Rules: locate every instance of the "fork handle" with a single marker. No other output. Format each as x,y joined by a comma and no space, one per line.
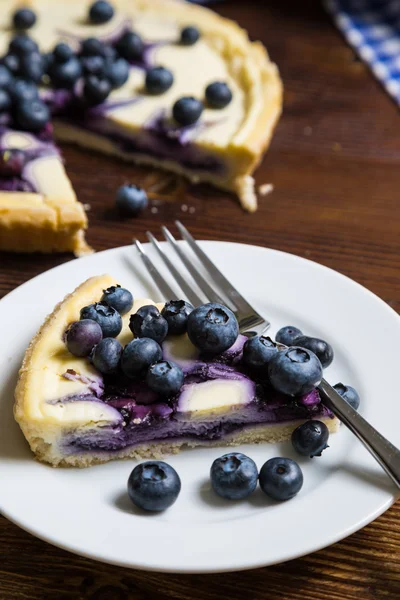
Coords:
387,455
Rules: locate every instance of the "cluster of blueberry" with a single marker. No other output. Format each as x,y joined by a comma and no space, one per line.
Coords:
212,328
101,67
155,485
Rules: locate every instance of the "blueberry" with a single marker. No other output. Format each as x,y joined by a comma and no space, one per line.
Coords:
64,75
322,349
131,199
258,351
234,476
92,47
12,161
11,61
138,355
106,356
31,67
6,78
110,53
310,438
22,44
288,335
189,36
281,478
101,12
5,101
96,89
212,328
107,317
82,336
22,90
93,65
117,72
119,298
24,18
218,95
187,111
176,313
154,485
32,115
48,61
158,80
148,322
295,371
349,394
62,52
165,378
130,46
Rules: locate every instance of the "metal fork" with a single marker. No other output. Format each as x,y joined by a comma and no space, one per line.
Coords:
251,323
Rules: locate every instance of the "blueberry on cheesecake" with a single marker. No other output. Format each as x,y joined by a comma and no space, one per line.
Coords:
110,376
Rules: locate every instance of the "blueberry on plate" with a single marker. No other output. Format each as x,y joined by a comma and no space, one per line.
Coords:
176,313
117,72
158,80
130,46
12,160
96,89
310,438
31,67
212,328
349,394
234,476
92,47
32,115
119,298
22,90
131,199
5,101
139,355
11,62
24,18
189,35
62,52
287,335
107,317
165,378
154,485
22,44
148,322
101,12
281,478
258,351
187,111
322,349
106,356
64,75
6,78
93,65
218,95
295,371
82,336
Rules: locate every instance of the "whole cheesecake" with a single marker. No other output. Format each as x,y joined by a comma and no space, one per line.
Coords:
72,415
138,121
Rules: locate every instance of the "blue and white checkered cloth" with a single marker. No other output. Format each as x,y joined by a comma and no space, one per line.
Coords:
372,28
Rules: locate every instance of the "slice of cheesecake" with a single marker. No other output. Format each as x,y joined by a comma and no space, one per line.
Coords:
72,415
39,211
224,146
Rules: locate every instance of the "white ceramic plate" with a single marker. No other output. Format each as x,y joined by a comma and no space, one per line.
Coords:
87,511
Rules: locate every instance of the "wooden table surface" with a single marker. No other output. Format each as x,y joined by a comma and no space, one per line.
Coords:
334,164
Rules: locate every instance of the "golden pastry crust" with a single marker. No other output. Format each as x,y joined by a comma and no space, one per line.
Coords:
35,223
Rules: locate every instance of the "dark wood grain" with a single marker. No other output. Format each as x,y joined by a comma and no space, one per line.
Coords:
334,164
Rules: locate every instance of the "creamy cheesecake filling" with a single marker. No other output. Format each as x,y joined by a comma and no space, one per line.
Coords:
217,400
